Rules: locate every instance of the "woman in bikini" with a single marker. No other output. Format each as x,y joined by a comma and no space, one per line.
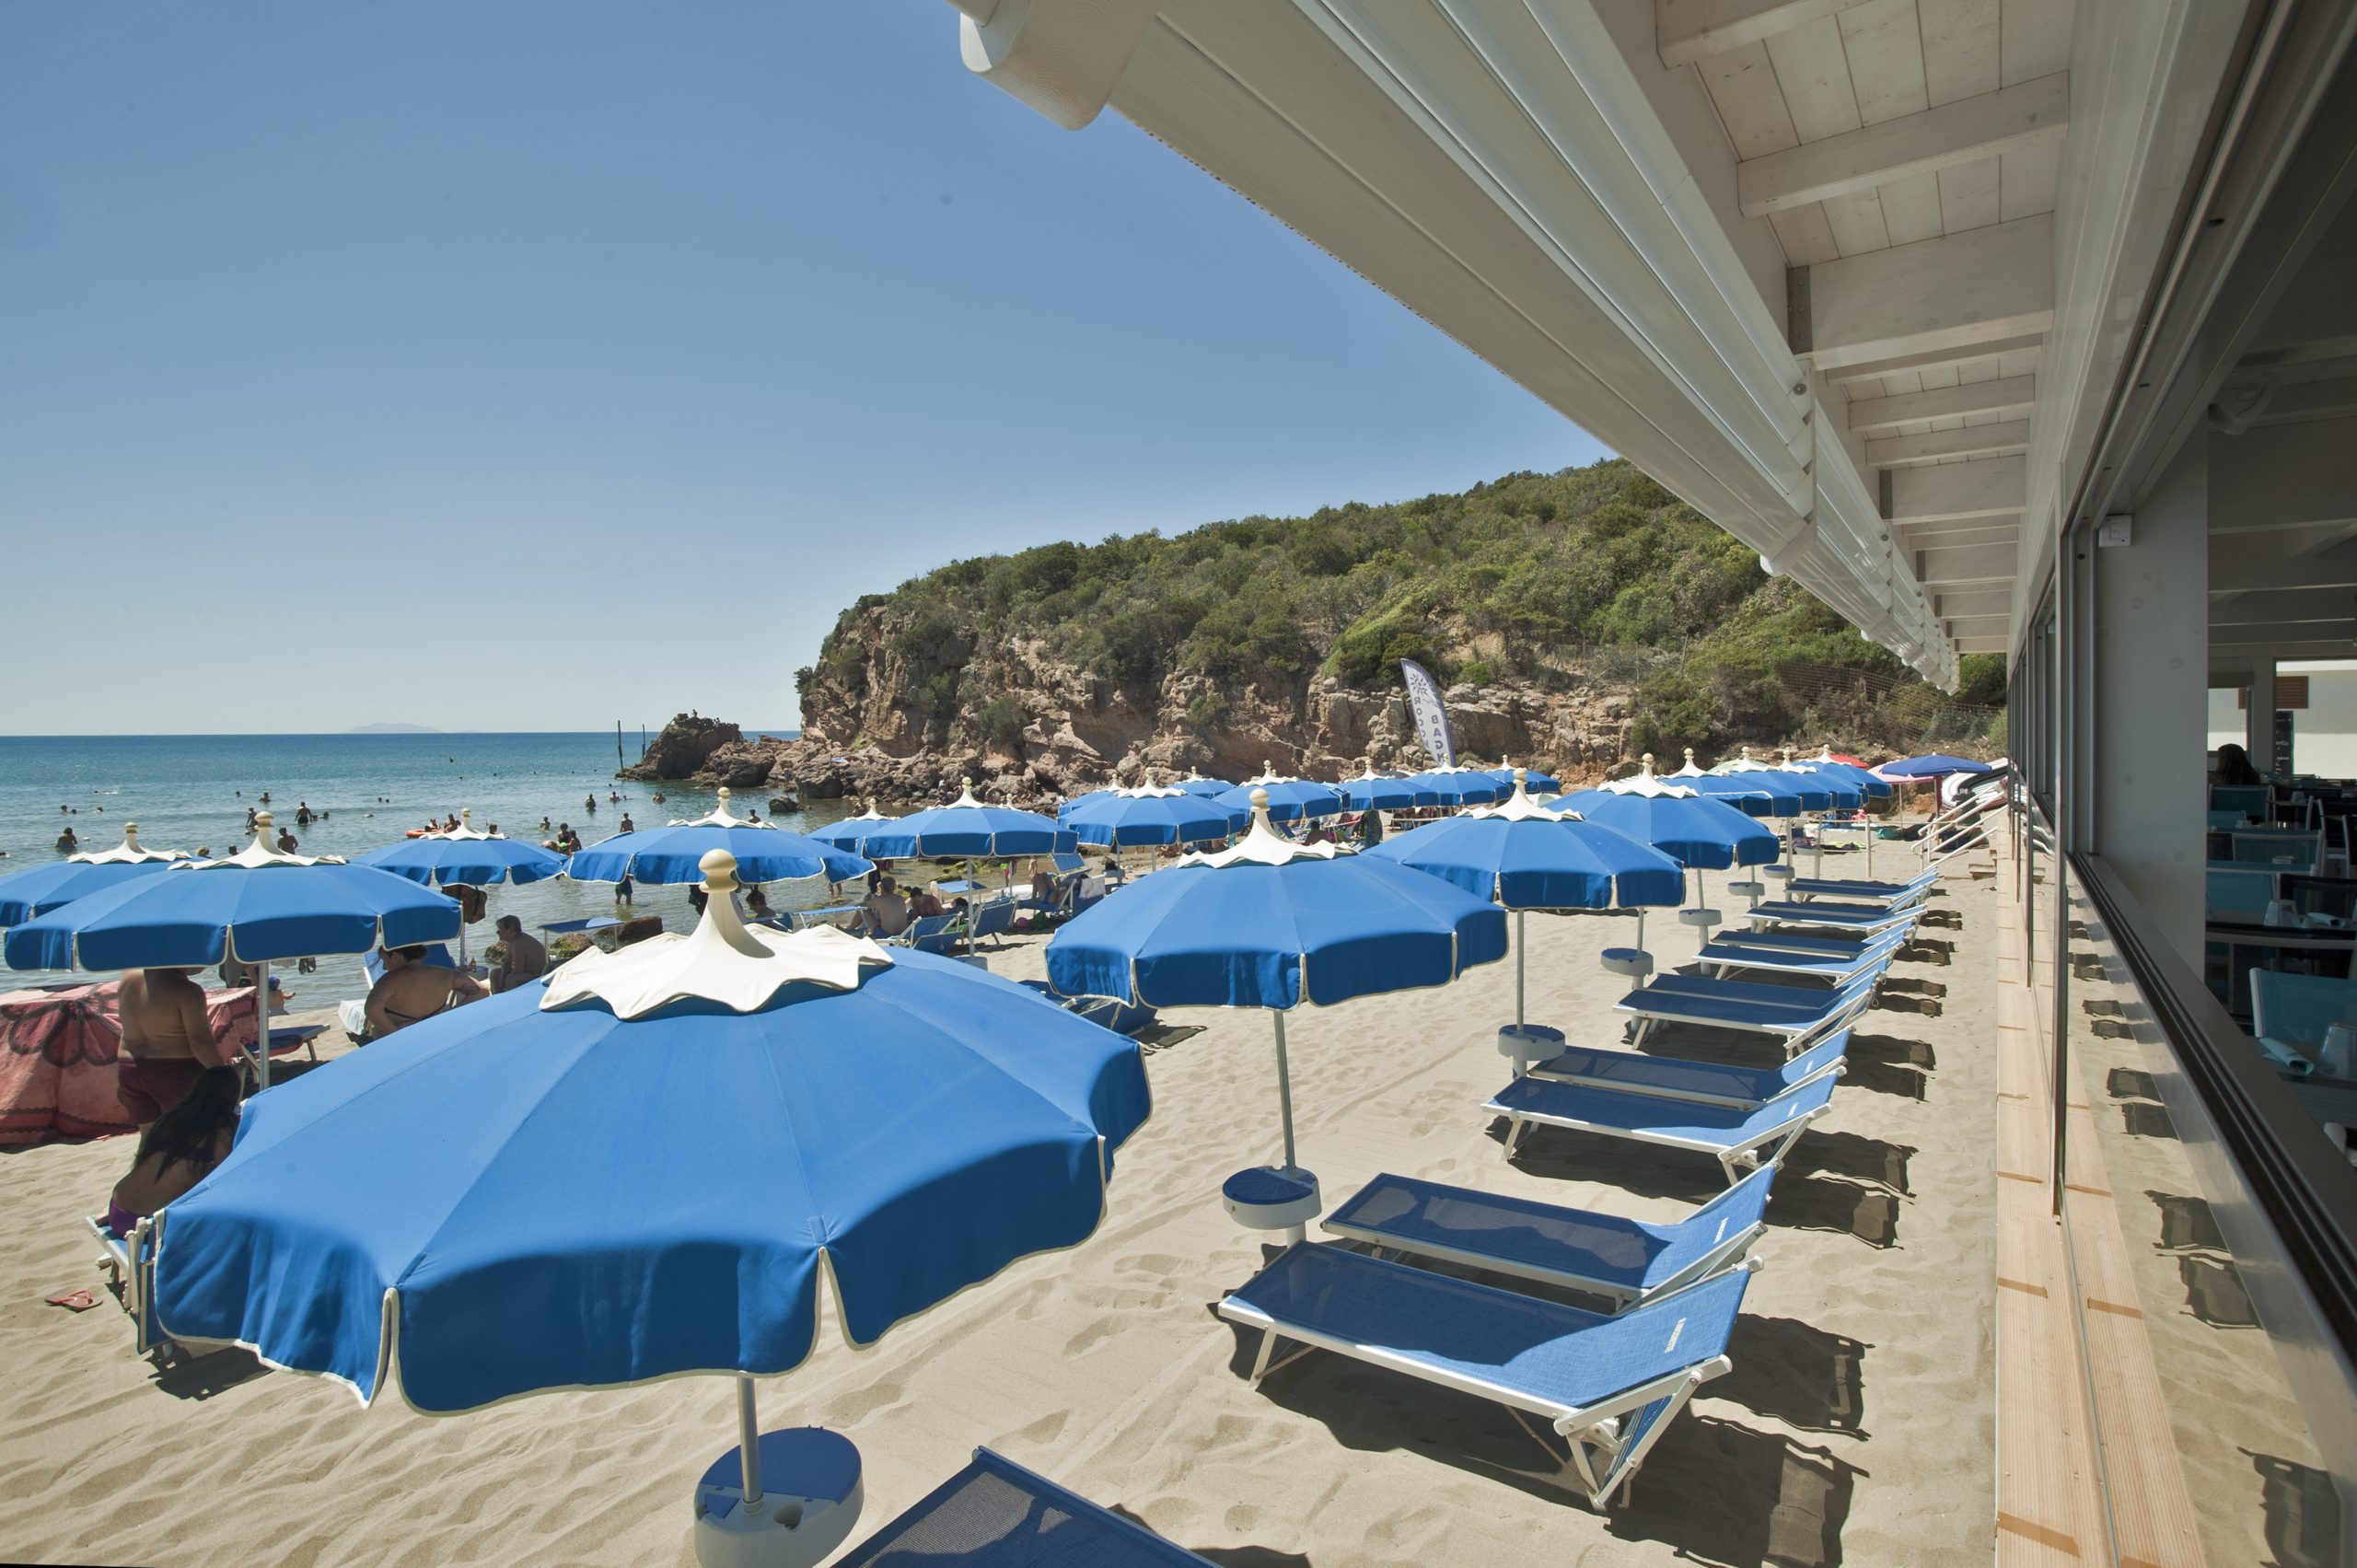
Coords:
180,1149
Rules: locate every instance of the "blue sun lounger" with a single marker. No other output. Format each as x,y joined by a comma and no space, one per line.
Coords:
1811,944
1857,889
1821,915
1606,1386
995,1513
1710,1083
1627,1260
1733,956
1800,1015
1736,1138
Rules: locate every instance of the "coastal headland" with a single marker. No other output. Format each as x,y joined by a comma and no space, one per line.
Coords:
1575,619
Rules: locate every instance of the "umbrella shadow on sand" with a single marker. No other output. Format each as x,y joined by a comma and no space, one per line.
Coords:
202,1375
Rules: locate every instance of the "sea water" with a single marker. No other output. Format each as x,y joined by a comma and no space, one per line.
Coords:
191,791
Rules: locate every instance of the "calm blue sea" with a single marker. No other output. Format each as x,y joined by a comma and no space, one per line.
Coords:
189,792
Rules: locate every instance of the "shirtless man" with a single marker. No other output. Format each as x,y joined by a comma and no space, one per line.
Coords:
167,1042
527,959
412,990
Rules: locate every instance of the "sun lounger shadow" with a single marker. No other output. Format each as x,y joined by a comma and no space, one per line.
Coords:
2144,1120
1799,1374
1718,1492
1903,1079
1944,920
202,1375
1844,1208
1893,1050
1904,986
1901,1002
2131,1083
2301,1511
2214,1293
2186,1224
1229,1556
1854,1156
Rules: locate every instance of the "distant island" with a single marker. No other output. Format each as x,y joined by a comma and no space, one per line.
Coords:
392,730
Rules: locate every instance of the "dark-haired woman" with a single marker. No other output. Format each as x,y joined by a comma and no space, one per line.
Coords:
179,1149
2233,767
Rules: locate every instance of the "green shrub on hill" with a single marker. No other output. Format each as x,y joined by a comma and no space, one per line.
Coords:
1551,578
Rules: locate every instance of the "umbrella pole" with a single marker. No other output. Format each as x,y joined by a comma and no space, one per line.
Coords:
1518,916
749,1439
262,1020
1284,1088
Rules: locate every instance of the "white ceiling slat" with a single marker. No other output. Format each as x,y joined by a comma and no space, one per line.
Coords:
1969,196
1990,399
1969,131
1938,378
1815,78
1960,48
1806,236
1987,285
1911,208
1965,441
2017,362
1751,106
2029,180
1688,31
2023,351
1885,53
1857,223
2034,39
1985,487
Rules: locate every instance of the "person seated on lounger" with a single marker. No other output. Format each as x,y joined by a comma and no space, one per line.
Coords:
412,989
180,1150
167,1042
757,903
524,958
924,903
885,913
1043,884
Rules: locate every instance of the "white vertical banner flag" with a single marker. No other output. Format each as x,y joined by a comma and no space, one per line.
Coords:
1432,720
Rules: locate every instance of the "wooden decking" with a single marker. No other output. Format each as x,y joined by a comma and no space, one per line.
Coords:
2087,1468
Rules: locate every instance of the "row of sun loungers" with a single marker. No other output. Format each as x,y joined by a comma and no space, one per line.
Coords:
1603,1381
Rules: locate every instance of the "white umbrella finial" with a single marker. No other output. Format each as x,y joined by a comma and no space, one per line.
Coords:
1648,760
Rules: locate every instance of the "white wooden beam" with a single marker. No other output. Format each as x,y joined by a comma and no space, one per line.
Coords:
1973,563
1985,601
1972,441
1995,282
1986,487
1963,132
1969,530
1934,359
1981,646
1687,30
1996,621
2011,396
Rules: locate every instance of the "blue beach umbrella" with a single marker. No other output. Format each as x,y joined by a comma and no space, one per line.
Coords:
1371,791
674,853
1533,780
1697,830
850,835
1461,786
40,889
1116,818
454,1208
1750,791
1866,783
1524,856
1271,923
1932,765
258,906
1288,799
969,827
465,857
1195,784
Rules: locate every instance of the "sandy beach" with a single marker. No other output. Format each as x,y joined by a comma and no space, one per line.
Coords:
1856,1426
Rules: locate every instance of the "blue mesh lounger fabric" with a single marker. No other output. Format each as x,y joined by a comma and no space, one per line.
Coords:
1639,1073
1622,1257
995,1513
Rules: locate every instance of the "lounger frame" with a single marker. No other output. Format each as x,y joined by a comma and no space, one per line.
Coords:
1735,1160
1598,1459
1549,1071
1727,1254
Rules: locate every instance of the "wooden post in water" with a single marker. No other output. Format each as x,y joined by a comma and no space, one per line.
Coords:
618,763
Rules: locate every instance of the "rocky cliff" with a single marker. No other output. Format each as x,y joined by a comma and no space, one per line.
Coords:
1576,618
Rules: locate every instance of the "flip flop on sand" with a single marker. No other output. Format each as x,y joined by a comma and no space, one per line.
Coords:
74,1300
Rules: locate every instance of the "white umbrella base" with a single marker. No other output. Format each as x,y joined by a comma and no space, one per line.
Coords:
783,1529
1271,1198
1526,1043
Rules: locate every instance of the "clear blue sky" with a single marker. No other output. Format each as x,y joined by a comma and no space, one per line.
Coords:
537,365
